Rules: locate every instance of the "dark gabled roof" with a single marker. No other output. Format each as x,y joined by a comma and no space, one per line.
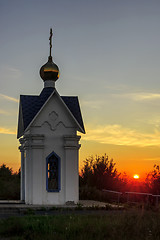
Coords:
73,105
30,106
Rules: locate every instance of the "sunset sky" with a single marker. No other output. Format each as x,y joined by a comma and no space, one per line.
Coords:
108,53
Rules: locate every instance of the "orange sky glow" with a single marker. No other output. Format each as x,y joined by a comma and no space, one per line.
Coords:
108,55
127,159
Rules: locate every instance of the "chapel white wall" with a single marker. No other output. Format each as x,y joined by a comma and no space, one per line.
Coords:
52,130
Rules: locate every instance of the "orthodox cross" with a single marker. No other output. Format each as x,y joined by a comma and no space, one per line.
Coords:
50,39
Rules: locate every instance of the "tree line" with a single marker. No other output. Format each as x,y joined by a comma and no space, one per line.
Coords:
9,183
100,173
97,173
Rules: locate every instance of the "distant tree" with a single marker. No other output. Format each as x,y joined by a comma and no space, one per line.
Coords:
5,172
100,172
153,180
9,183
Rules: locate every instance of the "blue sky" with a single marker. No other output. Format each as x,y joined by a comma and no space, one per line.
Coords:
108,54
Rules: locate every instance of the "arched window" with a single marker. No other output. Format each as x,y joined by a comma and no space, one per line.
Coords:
53,173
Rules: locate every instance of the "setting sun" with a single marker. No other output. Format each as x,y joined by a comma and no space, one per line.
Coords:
136,176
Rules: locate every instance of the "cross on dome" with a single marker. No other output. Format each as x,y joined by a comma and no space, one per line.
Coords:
50,40
49,72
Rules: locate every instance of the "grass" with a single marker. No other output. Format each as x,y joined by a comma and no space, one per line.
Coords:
127,225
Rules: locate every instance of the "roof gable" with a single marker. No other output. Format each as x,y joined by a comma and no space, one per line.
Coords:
31,105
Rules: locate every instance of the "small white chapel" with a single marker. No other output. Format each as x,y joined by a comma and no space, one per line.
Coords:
49,144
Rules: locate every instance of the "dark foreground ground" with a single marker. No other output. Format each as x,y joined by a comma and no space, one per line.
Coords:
18,208
83,225
93,220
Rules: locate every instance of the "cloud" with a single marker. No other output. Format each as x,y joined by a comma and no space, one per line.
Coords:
6,131
9,72
118,135
154,159
117,87
2,112
94,104
138,96
8,98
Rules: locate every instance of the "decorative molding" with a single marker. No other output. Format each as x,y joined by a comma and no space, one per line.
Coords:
72,137
53,121
71,142
21,140
72,147
36,146
35,141
21,148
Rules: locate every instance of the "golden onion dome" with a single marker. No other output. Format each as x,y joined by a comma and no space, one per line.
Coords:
49,71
